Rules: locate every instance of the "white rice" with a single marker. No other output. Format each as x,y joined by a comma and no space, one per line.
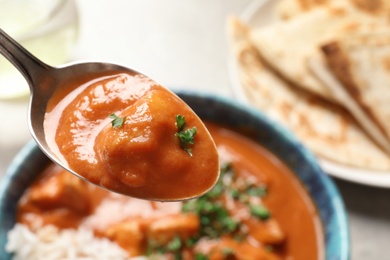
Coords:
50,243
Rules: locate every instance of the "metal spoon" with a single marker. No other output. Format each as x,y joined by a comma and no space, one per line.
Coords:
44,80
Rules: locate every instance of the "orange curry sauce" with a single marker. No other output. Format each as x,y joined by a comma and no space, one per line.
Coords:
291,230
142,157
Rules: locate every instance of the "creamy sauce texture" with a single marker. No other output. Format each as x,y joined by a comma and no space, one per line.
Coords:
142,157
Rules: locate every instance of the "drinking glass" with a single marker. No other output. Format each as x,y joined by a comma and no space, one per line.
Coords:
47,28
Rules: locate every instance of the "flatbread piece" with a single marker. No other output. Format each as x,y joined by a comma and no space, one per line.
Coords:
328,130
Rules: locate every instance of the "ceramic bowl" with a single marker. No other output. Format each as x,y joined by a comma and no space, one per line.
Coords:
30,161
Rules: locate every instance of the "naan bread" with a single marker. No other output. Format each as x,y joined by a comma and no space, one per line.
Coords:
362,64
328,130
286,45
288,9
320,69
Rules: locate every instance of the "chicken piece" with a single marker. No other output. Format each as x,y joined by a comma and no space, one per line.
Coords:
163,230
61,190
266,232
129,235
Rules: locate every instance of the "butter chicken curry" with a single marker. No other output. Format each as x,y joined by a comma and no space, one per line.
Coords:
256,210
130,135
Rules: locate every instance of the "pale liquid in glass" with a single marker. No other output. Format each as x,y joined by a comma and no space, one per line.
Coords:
47,28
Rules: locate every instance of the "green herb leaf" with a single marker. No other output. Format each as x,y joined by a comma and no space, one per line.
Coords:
257,191
200,256
216,191
117,121
260,211
230,224
235,194
213,214
243,197
180,123
174,245
227,251
186,138
151,246
191,242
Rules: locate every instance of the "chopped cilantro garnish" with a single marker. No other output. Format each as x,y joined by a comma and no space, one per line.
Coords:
215,218
186,137
260,211
200,256
230,224
235,193
257,191
117,121
216,191
227,251
190,242
174,245
180,123
151,246
243,198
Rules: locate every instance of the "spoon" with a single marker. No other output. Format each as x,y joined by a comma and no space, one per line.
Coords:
44,80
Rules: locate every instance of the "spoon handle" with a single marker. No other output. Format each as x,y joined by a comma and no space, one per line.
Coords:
32,68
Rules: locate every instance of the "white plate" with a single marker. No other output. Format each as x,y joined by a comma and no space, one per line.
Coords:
262,12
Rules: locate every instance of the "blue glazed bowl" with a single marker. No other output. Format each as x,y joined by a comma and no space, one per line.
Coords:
31,161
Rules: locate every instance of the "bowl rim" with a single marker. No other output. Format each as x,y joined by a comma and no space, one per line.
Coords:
337,248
